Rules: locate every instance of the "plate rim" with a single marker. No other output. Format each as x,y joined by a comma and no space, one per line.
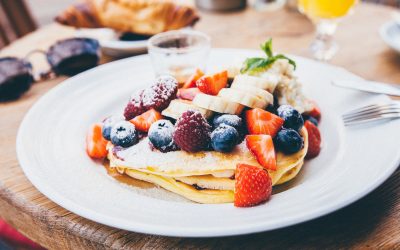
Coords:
383,31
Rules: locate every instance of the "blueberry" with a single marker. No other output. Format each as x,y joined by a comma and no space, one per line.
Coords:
161,135
292,118
108,124
124,134
288,141
224,138
311,119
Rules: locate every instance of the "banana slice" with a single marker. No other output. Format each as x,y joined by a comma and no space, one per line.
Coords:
242,97
260,93
217,104
266,82
177,107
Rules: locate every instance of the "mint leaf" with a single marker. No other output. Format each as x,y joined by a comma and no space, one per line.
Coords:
280,56
267,47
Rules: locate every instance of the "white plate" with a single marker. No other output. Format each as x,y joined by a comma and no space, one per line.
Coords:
390,33
51,151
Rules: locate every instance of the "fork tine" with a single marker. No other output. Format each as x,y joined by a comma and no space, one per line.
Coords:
377,118
372,115
370,108
373,111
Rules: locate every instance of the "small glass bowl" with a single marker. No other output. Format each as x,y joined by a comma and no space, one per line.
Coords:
179,53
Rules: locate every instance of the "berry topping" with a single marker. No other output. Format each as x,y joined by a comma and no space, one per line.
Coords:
263,122
158,96
315,111
311,119
292,118
288,141
143,122
188,94
212,84
231,120
191,81
192,132
161,136
224,138
262,147
253,186
124,134
108,124
96,145
314,140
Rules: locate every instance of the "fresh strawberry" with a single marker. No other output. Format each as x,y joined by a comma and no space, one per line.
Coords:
188,94
263,122
143,122
315,112
95,142
191,81
314,140
263,149
212,84
253,185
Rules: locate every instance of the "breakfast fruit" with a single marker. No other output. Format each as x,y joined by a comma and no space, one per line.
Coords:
158,96
289,141
143,122
107,125
212,84
314,140
231,120
242,97
292,118
124,134
188,94
311,119
253,186
259,121
192,132
161,136
96,145
177,107
191,81
263,149
315,111
224,138
217,104
260,93
268,82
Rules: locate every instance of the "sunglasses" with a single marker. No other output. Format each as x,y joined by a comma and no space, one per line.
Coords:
65,57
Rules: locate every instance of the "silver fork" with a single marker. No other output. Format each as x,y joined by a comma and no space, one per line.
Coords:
370,113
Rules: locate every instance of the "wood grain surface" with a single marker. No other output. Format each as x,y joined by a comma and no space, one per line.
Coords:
372,222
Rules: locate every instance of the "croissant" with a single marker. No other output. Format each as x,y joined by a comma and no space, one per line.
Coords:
147,17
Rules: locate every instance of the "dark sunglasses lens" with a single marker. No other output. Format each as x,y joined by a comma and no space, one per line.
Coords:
15,78
72,56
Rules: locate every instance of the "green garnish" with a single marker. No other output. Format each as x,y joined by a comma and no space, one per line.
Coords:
257,64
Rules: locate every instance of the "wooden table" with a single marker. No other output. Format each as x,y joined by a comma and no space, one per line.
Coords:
374,221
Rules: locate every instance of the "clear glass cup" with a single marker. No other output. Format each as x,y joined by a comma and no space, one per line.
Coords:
325,14
179,53
269,5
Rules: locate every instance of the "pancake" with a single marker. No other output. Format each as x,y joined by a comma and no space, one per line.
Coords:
205,177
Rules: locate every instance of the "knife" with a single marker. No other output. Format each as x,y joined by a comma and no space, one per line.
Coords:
369,86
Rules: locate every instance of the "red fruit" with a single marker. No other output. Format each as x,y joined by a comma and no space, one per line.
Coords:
314,140
263,149
315,112
143,122
263,122
158,97
192,132
188,94
212,84
191,81
95,142
252,186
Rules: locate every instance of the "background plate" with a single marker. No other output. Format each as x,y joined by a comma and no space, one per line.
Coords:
51,151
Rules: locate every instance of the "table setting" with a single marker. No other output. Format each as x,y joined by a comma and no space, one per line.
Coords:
203,124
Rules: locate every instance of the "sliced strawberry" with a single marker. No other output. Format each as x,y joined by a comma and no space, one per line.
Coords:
95,142
188,94
191,81
143,122
314,140
253,186
263,122
315,112
212,84
263,149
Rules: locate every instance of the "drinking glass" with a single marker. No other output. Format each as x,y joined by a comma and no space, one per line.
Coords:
325,14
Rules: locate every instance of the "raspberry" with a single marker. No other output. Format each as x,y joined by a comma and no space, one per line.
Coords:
192,132
158,97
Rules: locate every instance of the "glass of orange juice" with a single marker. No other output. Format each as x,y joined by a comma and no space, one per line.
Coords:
325,14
